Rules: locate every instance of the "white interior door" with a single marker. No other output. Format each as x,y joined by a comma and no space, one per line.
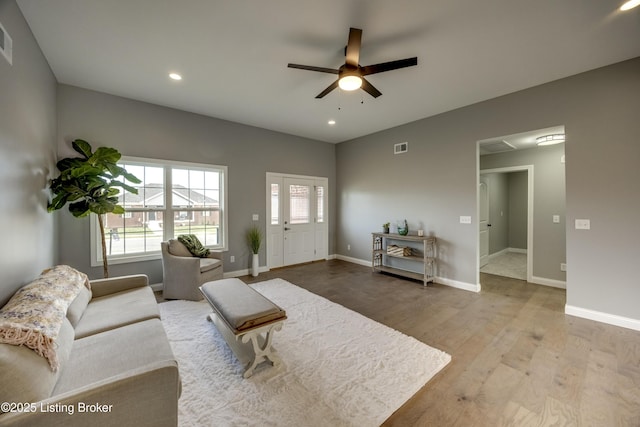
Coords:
484,224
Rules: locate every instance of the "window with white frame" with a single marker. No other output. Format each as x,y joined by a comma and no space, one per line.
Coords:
173,198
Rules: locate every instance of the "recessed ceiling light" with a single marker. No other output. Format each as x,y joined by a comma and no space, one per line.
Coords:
331,122
175,76
630,4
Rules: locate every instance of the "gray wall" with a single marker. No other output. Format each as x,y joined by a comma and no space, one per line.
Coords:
27,156
145,130
507,209
436,181
549,239
518,210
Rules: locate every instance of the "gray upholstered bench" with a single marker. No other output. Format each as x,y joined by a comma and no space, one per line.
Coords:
242,315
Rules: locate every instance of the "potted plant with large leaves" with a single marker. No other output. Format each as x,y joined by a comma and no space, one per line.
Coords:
89,184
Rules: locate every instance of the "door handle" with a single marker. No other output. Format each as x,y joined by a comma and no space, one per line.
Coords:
488,225
286,229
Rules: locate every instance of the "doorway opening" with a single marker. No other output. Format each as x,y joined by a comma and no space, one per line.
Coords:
297,219
513,158
506,222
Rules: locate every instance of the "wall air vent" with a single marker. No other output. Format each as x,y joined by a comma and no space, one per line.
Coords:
401,147
6,44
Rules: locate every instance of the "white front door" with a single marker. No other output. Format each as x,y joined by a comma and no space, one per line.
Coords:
299,233
297,223
484,224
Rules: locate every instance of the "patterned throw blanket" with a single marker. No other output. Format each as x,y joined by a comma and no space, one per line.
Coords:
34,315
192,243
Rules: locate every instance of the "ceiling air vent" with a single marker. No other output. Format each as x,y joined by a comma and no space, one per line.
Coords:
401,147
6,44
491,147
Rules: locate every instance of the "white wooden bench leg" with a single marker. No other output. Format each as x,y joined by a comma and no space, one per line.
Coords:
262,352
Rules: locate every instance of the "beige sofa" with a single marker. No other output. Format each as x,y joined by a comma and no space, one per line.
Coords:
116,365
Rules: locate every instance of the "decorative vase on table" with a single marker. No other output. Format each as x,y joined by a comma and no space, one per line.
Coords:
403,228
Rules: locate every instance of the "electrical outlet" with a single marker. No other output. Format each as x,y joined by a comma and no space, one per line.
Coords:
556,219
563,267
348,247
232,258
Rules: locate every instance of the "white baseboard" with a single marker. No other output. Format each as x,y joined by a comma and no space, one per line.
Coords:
243,272
497,254
366,263
517,250
459,285
441,280
548,282
507,250
598,316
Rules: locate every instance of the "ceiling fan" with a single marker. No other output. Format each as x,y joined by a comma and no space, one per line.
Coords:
351,74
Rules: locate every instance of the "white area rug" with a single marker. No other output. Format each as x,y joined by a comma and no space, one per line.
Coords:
338,368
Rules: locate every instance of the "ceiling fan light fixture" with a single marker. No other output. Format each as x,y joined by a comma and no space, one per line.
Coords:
630,4
556,138
350,83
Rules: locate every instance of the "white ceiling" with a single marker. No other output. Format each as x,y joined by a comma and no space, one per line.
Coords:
233,54
519,141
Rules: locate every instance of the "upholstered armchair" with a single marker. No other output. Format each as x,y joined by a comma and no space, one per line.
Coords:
184,273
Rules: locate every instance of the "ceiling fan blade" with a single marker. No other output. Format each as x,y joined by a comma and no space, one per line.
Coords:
388,66
312,68
368,87
331,87
353,47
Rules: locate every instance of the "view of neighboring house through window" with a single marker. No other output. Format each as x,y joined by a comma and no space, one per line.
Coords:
173,199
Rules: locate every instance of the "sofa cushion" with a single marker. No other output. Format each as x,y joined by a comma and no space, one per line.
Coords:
27,377
78,306
178,249
116,310
207,264
114,352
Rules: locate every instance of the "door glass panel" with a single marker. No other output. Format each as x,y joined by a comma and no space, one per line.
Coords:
275,204
320,204
299,203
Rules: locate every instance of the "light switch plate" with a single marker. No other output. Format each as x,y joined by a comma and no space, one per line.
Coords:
556,219
583,224
255,217
465,220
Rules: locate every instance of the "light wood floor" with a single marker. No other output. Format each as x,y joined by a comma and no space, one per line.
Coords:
517,359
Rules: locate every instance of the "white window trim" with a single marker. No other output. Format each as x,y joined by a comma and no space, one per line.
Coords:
96,250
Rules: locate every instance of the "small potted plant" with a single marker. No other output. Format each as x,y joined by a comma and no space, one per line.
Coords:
385,228
254,239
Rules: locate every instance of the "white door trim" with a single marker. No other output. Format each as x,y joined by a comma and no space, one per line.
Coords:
529,170
321,248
